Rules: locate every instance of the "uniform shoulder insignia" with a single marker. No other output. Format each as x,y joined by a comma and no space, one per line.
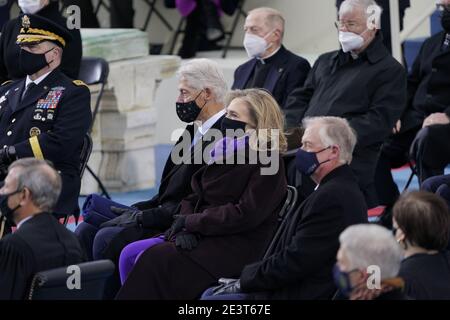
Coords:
7,82
80,83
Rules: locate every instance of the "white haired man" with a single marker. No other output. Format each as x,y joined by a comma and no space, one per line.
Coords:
272,66
368,263
361,82
300,266
202,91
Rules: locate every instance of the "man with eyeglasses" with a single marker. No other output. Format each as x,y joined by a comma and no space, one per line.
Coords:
425,125
361,82
386,18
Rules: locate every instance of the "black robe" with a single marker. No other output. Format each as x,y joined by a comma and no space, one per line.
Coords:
40,244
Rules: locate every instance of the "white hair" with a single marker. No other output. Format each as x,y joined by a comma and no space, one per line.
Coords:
368,245
334,131
370,7
204,73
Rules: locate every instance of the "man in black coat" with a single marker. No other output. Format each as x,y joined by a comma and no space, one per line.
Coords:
40,243
363,83
203,104
45,115
272,66
300,265
428,108
9,51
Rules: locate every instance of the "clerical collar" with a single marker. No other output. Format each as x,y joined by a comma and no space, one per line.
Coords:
266,59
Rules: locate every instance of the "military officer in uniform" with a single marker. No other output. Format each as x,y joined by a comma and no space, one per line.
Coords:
45,115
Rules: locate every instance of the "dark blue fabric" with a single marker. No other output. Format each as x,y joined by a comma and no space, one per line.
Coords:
97,210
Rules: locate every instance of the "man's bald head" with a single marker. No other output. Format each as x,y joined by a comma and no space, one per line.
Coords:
271,18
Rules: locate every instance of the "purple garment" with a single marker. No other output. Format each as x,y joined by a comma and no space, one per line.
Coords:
131,253
187,6
227,146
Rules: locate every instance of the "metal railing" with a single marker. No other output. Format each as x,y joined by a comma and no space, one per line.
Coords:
399,37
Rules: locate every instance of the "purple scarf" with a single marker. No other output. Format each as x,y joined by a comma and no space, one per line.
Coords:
187,6
227,146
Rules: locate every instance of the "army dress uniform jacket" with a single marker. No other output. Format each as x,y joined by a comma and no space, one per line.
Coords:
49,123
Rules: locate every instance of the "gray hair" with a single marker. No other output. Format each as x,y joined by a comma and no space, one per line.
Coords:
41,179
335,131
274,18
371,8
368,245
204,73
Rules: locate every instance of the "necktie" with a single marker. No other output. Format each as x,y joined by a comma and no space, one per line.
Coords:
27,90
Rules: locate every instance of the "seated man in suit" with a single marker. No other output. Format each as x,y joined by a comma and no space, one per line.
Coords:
301,263
425,124
202,90
40,243
362,83
272,66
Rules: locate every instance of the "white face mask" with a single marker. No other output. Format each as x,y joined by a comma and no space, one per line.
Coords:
255,45
350,41
30,6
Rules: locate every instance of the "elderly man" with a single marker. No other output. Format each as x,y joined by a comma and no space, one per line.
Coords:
426,119
361,82
45,115
30,193
272,66
300,266
368,262
202,90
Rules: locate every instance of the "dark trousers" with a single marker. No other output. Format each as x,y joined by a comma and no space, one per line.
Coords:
431,151
439,185
394,154
108,243
122,14
88,17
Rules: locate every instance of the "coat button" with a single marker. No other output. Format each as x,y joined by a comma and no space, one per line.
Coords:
13,120
9,133
43,119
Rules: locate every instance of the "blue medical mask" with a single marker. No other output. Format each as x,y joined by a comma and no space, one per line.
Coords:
342,281
307,162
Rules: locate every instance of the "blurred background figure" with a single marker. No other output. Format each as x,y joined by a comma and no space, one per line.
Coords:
5,9
368,255
422,227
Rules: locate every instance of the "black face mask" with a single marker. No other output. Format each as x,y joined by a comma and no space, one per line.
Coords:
230,124
5,210
445,21
189,111
30,63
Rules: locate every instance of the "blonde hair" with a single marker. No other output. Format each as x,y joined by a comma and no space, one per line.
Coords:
266,115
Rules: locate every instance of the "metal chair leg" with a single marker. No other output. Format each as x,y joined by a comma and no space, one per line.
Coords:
100,184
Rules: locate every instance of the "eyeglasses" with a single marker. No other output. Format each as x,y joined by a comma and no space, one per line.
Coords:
348,25
443,7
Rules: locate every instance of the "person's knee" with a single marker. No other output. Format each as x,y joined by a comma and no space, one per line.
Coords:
102,240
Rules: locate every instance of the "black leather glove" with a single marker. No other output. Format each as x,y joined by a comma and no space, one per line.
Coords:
227,286
187,240
7,156
127,218
177,226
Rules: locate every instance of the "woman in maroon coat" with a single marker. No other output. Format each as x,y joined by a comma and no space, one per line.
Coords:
230,218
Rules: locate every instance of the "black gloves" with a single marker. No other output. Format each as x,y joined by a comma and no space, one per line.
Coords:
177,226
7,156
187,240
227,286
126,218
